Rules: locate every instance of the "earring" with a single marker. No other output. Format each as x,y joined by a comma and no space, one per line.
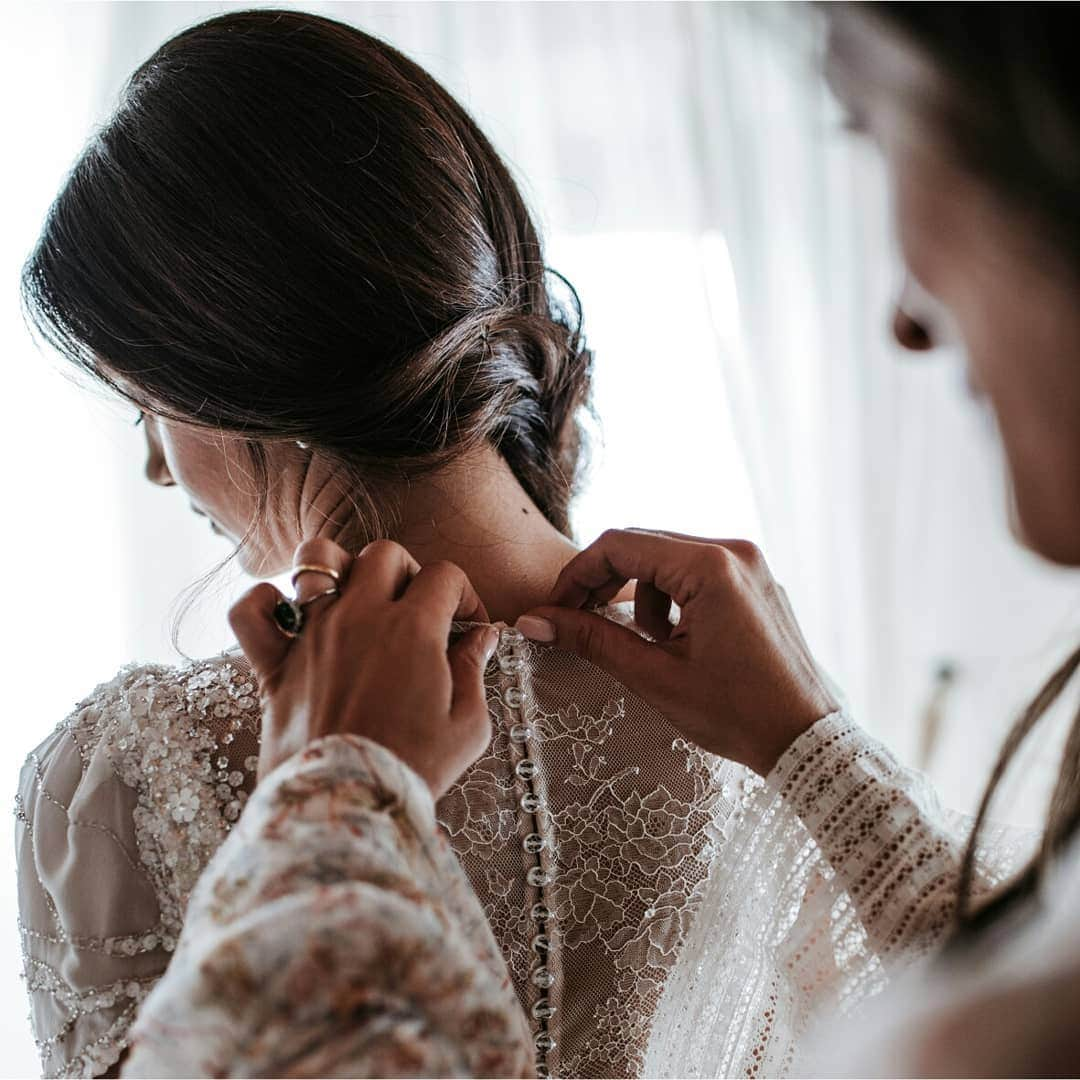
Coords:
303,445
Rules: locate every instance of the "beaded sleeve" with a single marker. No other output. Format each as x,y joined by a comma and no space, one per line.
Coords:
840,870
117,813
334,934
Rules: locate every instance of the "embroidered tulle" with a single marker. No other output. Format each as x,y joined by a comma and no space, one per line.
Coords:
605,872
117,813
842,871
587,832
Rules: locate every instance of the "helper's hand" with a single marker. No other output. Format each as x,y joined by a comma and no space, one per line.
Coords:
734,674
371,659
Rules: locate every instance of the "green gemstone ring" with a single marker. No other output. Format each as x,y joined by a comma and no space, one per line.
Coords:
289,618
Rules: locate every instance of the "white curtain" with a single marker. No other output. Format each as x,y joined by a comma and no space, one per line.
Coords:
731,248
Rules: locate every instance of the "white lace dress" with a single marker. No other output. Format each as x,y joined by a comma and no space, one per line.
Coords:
587,833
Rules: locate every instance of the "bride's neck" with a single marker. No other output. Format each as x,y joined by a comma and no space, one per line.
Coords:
476,514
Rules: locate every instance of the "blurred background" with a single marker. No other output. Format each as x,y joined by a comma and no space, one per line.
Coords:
731,247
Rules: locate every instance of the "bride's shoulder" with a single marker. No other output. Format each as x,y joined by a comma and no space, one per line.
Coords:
154,710
166,749
118,810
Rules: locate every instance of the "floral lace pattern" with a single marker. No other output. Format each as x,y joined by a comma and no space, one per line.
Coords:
587,832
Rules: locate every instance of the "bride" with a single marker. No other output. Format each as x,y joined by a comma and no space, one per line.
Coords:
294,252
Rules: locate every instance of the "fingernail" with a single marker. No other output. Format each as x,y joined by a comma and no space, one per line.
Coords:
491,643
535,628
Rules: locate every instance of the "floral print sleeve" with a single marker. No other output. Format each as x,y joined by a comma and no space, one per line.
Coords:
334,934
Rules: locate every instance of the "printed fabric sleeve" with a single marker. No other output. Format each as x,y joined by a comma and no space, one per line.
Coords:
840,871
334,934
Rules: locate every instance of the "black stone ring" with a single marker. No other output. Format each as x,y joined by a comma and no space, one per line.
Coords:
289,618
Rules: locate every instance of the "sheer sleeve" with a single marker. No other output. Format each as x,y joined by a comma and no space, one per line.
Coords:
334,934
1005,1008
841,869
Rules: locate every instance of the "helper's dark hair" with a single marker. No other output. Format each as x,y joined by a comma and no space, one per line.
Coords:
288,230
1008,107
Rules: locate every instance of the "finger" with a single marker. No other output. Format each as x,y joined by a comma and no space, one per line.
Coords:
652,609
634,661
619,556
252,621
746,550
670,534
444,590
381,572
468,658
317,552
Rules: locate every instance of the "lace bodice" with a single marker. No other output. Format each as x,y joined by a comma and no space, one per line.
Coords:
587,831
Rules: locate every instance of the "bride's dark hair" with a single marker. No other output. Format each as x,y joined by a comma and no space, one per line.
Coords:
288,230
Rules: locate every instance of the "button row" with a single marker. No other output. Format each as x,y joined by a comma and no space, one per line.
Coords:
531,803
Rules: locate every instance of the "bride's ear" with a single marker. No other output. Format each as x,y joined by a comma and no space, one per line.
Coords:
156,469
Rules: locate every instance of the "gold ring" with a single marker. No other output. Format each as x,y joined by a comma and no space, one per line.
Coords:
332,591
315,568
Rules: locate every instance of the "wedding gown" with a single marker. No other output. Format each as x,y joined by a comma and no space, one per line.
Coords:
334,934
586,831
